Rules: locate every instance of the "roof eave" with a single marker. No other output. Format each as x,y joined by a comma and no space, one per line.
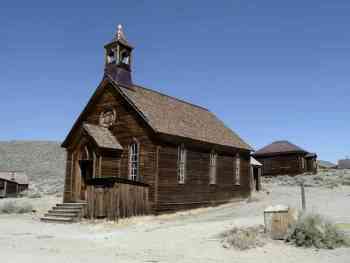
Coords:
65,142
207,142
277,153
106,80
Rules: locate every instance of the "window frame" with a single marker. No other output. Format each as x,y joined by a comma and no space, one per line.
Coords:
134,161
237,171
213,157
111,59
181,164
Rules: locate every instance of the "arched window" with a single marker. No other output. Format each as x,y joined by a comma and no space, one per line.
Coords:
85,153
125,58
86,162
111,57
134,150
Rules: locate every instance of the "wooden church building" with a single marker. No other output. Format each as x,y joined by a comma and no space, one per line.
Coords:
285,158
134,150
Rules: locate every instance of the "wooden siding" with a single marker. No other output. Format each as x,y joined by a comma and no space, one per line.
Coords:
157,165
110,166
11,189
290,164
118,201
197,190
127,129
2,188
311,165
68,184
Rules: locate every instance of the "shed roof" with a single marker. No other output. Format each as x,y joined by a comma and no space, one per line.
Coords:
278,147
311,155
18,177
254,162
102,136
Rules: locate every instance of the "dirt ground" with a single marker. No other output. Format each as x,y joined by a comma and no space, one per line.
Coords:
190,236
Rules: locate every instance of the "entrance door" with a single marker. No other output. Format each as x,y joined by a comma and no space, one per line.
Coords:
256,178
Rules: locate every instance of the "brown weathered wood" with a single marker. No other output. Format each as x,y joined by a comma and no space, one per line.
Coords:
157,166
118,201
282,164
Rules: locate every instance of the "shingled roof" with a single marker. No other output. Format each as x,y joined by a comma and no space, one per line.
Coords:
102,136
172,116
279,147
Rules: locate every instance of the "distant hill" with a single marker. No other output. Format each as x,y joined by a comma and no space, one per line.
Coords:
43,161
326,164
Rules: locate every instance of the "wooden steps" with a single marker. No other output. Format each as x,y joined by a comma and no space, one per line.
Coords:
65,213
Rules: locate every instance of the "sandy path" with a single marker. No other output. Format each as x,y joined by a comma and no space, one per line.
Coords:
184,237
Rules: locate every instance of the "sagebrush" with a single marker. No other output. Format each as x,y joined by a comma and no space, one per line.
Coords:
324,178
313,230
243,238
13,207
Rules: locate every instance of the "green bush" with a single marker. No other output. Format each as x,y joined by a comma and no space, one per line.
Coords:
12,207
313,230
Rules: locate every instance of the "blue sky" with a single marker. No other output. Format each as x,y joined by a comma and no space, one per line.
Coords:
269,69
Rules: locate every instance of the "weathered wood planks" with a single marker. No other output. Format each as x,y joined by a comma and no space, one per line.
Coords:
118,201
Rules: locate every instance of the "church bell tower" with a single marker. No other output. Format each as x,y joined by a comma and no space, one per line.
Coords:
118,59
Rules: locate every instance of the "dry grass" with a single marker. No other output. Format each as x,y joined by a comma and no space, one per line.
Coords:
13,207
253,199
324,178
244,238
313,230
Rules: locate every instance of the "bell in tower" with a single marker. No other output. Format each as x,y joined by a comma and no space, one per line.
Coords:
118,59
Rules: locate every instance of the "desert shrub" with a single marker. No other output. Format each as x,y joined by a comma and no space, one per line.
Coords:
30,193
313,230
331,179
12,207
319,177
34,195
253,199
243,238
346,181
331,184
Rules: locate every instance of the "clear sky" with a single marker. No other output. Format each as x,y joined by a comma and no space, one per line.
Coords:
270,70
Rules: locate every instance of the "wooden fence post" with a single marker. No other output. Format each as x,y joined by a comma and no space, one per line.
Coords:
303,201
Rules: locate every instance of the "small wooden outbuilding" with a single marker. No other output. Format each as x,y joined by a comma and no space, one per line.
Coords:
284,157
256,172
344,164
12,183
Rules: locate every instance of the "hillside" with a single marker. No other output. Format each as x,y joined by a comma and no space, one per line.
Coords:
43,161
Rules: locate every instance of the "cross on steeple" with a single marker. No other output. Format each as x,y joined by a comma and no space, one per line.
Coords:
120,34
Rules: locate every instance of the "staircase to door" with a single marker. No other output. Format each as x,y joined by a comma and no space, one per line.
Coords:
65,213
